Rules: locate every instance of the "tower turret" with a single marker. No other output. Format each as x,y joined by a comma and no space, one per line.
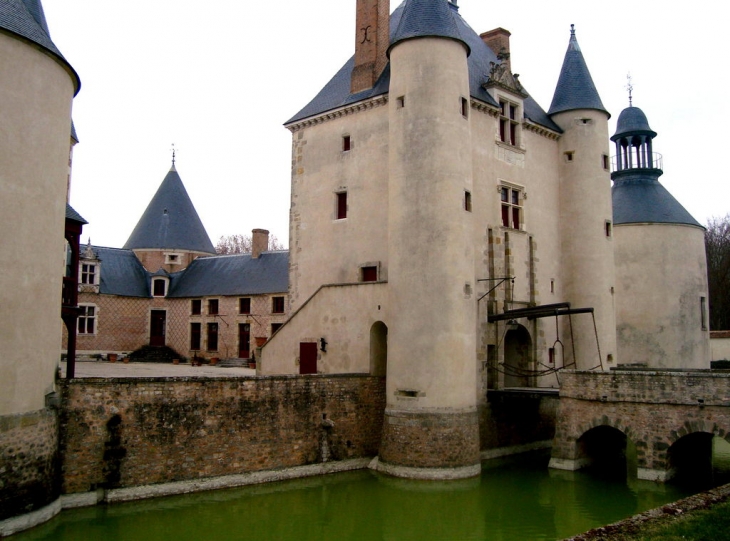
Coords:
661,321
431,426
586,222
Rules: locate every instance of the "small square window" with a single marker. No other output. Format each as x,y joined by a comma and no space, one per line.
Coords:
569,156
277,305
196,308
341,211
212,307
369,274
400,102
244,305
275,327
346,143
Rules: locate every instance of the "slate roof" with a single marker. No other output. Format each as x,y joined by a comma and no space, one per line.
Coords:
170,221
425,18
336,93
238,274
632,120
575,88
121,273
26,19
71,214
641,199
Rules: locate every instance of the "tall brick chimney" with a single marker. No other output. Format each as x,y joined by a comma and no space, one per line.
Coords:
371,43
497,40
259,242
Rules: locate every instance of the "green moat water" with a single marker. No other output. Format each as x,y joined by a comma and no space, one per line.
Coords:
510,501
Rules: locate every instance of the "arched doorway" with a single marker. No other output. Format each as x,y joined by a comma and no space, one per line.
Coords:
690,460
517,347
607,452
378,349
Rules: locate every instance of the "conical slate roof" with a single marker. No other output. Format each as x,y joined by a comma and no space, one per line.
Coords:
575,89
170,221
426,18
26,19
432,20
640,199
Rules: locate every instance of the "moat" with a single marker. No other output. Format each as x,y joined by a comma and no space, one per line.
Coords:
512,500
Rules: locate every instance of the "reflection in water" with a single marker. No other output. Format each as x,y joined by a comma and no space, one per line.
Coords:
510,501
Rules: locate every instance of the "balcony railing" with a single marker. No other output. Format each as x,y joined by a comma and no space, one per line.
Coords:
637,161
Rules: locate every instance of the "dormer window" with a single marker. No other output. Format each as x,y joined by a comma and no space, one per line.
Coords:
509,122
159,287
88,274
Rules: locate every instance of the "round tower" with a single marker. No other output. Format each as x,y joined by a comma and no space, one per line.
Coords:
585,211
37,86
661,266
430,427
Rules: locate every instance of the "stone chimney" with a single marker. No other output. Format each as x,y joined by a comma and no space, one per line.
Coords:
498,41
259,242
372,38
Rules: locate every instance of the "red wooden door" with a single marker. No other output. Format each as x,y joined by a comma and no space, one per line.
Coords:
158,321
244,341
308,357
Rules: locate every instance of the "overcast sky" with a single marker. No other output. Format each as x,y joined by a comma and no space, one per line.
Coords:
218,78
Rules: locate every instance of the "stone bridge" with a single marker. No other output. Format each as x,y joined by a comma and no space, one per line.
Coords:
661,422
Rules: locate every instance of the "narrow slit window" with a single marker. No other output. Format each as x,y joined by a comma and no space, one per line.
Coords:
467,201
341,200
464,107
400,102
346,143
609,229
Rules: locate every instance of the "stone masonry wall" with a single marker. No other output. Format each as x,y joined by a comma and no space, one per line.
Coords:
28,462
124,432
653,409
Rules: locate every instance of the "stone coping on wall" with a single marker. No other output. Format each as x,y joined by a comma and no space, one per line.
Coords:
632,527
194,379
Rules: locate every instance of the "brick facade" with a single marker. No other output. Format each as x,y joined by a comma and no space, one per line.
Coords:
163,429
28,462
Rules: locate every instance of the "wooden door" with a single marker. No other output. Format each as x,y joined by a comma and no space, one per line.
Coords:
308,357
244,341
158,323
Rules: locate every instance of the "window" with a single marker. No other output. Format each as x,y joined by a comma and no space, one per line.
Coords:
212,336
608,229
275,327
196,306
172,259
508,122
467,201
277,305
464,107
341,211
369,274
158,287
195,336
212,307
400,102
346,143
569,156
244,305
703,312
87,319
606,163
511,207
88,273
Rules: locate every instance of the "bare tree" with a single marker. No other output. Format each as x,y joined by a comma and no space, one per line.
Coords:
241,244
717,246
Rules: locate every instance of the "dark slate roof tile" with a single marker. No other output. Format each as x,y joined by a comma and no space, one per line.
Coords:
25,18
238,274
426,18
121,273
170,221
336,93
575,88
632,120
640,199
71,214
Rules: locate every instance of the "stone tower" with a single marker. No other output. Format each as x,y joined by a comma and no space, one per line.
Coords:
431,426
661,267
586,225
37,86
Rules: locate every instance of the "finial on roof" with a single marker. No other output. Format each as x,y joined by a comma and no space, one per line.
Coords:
572,30
630,88
173,158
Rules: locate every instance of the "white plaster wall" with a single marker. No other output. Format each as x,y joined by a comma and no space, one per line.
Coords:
322,249
343,315
661,273
35,122
431,342
719,349
588,254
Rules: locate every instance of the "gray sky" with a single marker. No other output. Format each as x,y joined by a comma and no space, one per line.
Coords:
219,78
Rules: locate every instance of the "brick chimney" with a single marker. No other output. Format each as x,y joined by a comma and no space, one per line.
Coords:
497,40
259,242
371,43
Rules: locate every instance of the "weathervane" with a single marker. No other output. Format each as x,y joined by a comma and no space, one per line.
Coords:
173,154
630,88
